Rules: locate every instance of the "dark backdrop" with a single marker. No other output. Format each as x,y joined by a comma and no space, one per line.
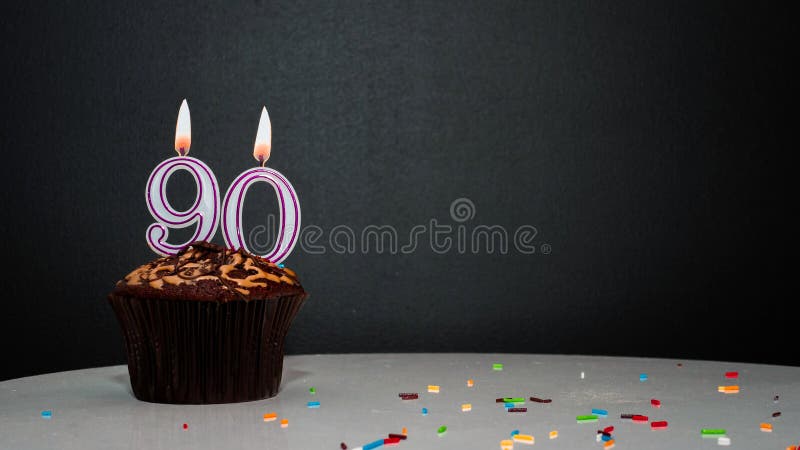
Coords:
641,139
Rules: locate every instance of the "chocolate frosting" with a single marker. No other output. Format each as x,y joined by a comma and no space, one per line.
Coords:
207,272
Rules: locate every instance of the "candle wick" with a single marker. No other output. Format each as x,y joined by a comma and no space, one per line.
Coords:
263,162
182,151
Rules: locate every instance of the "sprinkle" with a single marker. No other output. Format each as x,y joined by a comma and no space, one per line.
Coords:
343,446
433,388
609,444
731,375
402,437
638,418
776,414
514,433
605,437
655,403
405,431
391,441
269,417
626,416
284,423
553,434
514,400
660,425
424,411
582,375
497,366
609,429
470,382
643,377
374,444
442,430
724,441
281,265
408,395
586,419
313,404
186,426
766,427
506,444
680,364
466,407
713,432
515,410
47,414
600,412
541,400
499,400
728,389
524,439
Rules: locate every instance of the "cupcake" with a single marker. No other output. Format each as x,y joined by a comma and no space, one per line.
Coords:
206,325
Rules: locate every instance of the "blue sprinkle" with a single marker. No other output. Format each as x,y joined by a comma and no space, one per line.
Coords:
372,445
281,265
509,405
47,414
514,433
313,404
424,411
606,438
600,412
643,377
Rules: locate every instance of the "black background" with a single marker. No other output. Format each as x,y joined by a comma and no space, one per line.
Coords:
642,139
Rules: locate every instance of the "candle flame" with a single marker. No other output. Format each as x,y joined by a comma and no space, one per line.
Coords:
263,145
183,130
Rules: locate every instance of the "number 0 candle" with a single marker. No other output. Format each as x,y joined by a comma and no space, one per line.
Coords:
288,203
205,210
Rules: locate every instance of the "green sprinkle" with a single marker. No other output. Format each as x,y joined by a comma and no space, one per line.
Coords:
586,419
712,432
513,400
442,430
312,390
497,366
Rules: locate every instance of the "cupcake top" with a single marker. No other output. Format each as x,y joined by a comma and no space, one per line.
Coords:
207,272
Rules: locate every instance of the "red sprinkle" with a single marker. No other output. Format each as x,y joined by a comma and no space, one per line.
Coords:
731,374
343,446
541,400
640,418
655,403
408,395
391,440
776,414
499,400
659,425
398,436
517,409
186,426
608,430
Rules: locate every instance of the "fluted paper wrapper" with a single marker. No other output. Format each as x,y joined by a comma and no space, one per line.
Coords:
200,352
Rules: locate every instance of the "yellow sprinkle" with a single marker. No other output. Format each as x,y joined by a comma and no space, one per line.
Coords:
433,388
269,417
470,383
553,434
284,423
506,444
466,407
523,439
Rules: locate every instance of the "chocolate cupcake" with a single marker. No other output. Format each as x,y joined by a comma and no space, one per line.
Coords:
206,325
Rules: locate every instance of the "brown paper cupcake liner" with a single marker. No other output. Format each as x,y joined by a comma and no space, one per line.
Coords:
200,352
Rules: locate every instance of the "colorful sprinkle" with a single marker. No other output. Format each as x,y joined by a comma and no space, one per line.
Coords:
586,419
269,417
433,388
514,433
541,400
281,265
643,377
776,414
186,426
497,366
405,431
600,412
442,430
470,383
47,414
638,418
284,423
313,404
626,416
343,446
466,407
391,441
609,444
609,429
728,389
553,434
374,444
524,439
714,432
424,411
660,425
655,403
724,441
517,410
582,375
766,427
408,395
514,400
312,390
402,437
731,375
506,444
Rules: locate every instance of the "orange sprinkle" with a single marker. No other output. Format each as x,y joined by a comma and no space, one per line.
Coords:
466,407
553,434
470,383
269,417
609,444
506,444
766,427
433,388
405,431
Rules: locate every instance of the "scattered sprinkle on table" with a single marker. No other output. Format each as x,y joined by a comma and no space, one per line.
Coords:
424,411
409,395
312,390
553,434
517,410
660,425
372,445
401,437
47,414
586,418
766,427
497,366
269,417
186,426
608,429
655,403
313,404
284,423
433,388
713,432
639,418
514,400
643,377
600,412
466,407
391,441
506,444
728,389
609,444
442,430
514,433
343,446
405,431
724,441
470,383
524,439
776,414
582,375
541,400
731,375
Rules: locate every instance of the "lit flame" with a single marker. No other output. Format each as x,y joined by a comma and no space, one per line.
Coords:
263,145
183,130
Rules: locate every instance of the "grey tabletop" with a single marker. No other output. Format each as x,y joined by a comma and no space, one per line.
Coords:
359,404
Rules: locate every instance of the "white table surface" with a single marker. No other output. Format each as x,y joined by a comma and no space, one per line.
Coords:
94,408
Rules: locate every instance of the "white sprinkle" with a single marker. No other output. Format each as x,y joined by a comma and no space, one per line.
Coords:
724,441
582,375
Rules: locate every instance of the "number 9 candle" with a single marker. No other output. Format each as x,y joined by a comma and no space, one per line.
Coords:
204,213
288,203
